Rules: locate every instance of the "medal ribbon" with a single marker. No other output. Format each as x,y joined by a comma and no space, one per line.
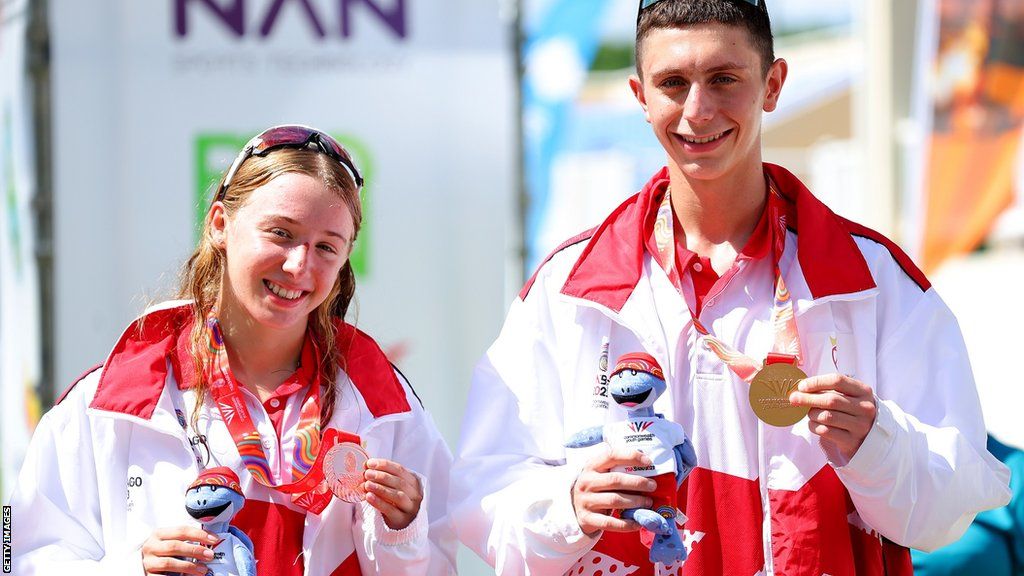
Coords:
787,340
308,487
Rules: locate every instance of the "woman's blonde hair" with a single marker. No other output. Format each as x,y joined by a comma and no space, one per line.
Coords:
203,274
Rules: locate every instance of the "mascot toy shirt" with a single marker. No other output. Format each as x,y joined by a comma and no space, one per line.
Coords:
635,383
214,499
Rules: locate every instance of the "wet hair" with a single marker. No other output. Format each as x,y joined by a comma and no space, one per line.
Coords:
683,13
203,273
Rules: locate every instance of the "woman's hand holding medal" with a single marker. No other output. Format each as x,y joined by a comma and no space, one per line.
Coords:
394,491
842,410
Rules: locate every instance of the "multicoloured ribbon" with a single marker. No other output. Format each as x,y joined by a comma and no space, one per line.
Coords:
787,339
308,487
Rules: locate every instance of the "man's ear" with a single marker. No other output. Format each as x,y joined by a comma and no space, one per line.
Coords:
773,84
216,220
637,86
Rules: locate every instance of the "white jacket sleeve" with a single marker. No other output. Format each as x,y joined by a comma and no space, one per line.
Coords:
427,546
923,471
511,490
55,513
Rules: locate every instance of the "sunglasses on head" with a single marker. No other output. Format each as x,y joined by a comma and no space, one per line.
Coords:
645,4
291,136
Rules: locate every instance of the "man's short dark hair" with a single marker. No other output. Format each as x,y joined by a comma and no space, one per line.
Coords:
683,13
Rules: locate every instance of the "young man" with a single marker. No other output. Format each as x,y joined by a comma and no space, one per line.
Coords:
726,271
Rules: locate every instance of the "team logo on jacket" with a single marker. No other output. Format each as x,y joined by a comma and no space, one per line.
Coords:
600,396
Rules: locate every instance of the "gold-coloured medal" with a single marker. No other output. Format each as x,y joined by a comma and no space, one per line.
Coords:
769,394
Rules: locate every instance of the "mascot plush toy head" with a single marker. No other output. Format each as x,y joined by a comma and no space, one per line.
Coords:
214,499
636,382
215,496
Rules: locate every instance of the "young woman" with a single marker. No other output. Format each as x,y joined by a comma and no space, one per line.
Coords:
256,371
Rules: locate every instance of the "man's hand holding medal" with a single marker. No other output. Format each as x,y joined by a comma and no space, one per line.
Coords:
842,410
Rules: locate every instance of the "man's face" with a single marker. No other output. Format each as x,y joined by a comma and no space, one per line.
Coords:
703,91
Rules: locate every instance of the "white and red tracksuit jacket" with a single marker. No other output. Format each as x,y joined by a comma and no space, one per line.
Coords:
762,500
111,462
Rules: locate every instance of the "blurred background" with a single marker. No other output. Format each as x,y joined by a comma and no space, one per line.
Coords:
489,131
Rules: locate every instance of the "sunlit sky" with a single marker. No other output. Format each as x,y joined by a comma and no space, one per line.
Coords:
621,18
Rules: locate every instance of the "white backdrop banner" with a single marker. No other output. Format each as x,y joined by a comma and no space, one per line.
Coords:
20,353
153,99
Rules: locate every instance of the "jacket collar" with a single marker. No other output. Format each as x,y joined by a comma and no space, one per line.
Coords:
612,263
136,371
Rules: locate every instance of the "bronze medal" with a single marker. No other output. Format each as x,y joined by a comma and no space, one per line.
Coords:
769,394
343,468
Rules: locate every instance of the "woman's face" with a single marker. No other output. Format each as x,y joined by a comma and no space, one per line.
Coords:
284,249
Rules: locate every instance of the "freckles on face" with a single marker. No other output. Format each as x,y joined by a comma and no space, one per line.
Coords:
284,250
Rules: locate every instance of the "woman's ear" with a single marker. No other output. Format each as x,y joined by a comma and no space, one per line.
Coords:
216,220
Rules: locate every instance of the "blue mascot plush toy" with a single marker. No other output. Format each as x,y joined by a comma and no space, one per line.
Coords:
635,383
214,499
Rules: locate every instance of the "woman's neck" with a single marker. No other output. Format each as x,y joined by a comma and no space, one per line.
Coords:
261,359
718,216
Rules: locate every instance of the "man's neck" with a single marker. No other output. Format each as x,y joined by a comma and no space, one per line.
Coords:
719,216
